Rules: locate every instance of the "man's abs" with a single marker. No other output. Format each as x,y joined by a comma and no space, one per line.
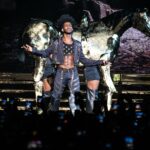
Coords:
68,62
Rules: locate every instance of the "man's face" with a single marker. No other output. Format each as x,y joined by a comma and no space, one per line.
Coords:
67,28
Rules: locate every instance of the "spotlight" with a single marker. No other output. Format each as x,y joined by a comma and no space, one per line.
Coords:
28,108
4,104
129,142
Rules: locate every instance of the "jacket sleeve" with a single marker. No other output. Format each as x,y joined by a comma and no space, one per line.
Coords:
88,62
43,53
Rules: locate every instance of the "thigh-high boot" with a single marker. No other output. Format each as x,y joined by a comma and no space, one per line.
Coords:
92,95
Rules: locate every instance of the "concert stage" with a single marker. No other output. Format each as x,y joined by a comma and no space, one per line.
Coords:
125,127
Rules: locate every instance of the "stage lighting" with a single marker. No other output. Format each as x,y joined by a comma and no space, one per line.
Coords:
28,108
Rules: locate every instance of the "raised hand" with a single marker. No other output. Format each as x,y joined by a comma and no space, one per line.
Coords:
27,48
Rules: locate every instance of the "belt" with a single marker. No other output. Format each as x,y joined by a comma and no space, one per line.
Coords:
66,69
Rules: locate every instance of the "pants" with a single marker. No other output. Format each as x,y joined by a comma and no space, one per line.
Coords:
63,78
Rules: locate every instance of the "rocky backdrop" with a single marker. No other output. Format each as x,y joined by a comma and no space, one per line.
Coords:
134,51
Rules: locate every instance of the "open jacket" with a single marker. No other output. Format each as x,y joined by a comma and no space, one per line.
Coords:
56,49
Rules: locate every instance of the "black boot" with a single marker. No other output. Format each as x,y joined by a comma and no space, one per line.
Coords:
72,103
92,95
54,104
47,94
43,104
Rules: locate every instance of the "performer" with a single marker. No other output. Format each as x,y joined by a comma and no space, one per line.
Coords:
48,76
66,53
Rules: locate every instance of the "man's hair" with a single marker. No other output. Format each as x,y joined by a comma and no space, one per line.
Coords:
65,18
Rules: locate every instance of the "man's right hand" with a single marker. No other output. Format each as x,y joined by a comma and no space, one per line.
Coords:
27,48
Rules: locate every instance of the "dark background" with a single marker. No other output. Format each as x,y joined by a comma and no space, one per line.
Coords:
15,10
134,52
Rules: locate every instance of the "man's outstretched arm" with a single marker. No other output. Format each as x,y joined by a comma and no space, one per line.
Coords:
34,51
